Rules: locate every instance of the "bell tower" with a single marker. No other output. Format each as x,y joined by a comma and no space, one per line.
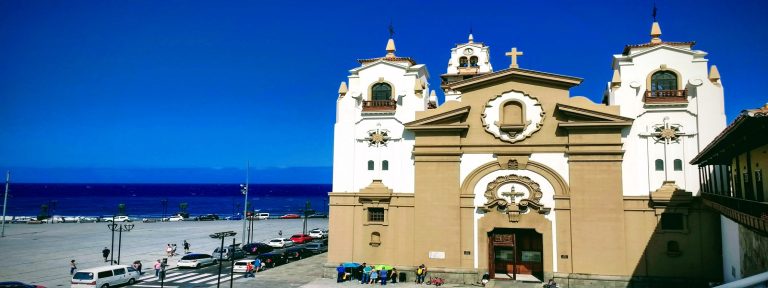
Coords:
467,60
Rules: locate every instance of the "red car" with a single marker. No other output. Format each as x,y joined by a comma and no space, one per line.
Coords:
290,216
301,238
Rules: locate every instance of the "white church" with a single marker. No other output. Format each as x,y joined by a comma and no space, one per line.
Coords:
514,177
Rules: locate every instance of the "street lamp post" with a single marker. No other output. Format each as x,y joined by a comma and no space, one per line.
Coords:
222,235
164,203
244,190
120,228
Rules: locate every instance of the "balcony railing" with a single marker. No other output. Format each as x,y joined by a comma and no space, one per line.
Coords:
746,212
666,96
379,105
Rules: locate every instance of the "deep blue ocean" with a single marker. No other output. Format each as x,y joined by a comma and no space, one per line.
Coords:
146,200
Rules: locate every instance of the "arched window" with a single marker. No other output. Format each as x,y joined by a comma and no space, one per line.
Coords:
659,165
385,165
463,62
381,91
678,165
473,61
370,164
663,80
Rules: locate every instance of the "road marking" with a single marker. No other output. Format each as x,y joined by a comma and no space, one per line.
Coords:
142,285
224,280
206,279
178,276
192,278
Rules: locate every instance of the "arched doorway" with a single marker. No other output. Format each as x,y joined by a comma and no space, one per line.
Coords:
516,254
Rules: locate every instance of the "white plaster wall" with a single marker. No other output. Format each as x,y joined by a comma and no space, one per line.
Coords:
481,51
706,99
351,152
556,161
731,249
547,200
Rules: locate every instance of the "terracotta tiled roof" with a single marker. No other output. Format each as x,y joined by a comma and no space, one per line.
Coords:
629,47
394,59
729,134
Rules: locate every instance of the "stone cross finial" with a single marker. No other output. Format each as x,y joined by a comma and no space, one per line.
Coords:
514,53
512,194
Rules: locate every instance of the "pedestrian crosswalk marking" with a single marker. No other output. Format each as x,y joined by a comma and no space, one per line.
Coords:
227,279
192,278
176,276
206,279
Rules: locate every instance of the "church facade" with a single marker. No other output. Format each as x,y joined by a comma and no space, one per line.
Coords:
514,177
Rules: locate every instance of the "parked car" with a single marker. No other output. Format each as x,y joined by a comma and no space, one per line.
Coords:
176,218
318,215
318,233
105,276
273,259
290,216
280,242
195,260
208,217
229,253
16,284
118,219
262,216
317,247
86,219
297,253
234,217
301,238
257,248
239,266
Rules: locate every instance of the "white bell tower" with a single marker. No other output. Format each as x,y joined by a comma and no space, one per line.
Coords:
676,99
467,60
370,142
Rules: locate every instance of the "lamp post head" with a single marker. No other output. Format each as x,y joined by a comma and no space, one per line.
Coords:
128,227
220,235
112,226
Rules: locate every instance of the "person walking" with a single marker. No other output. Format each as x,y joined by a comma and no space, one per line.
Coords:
72,267
137,265
173,250
340,273
257,264
421,273
249,270
105,253
168,250
359,272
158,265
186,247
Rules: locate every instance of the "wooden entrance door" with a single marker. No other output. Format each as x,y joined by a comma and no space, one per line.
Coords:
515,251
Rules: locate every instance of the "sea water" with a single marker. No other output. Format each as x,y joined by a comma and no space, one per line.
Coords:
156,200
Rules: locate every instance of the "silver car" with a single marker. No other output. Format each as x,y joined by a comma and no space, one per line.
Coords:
195,260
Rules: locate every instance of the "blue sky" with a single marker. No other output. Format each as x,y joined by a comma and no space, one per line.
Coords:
146,91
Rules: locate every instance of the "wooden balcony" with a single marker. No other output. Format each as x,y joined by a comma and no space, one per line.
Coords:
666,97
379,105
749,213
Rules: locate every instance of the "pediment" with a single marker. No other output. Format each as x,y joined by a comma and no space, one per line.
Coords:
377,63
453,119
518,74
583,117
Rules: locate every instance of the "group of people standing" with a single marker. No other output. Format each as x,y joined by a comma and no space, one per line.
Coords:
368,274
170,249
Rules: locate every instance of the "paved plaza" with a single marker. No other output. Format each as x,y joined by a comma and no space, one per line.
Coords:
40,253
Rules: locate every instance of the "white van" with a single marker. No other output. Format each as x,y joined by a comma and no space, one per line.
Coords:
105,276
262,216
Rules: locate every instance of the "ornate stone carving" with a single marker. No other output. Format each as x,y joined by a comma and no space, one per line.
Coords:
533,118
513,208
378,137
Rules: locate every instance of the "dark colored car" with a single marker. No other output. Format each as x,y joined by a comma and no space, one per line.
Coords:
257,248
209,217
15,284
272,259
297,253
317,247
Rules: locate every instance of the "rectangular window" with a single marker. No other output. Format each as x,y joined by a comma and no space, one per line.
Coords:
659,165
375,214
105,274
385,165
370,164
120,271
672,221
